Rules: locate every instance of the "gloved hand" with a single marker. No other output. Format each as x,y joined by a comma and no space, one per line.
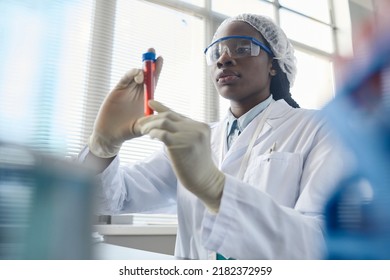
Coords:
188,144
115,122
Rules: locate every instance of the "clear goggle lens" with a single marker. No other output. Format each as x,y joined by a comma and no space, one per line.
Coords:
235,46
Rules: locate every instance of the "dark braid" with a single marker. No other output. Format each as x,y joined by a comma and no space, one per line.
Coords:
280,86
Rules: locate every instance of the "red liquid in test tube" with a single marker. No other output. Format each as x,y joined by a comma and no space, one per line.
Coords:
149,67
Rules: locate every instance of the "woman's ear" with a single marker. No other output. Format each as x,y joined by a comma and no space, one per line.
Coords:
273,68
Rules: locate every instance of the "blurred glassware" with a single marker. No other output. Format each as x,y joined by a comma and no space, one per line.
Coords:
358,215
45,206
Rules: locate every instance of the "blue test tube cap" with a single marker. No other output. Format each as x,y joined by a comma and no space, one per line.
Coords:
149,56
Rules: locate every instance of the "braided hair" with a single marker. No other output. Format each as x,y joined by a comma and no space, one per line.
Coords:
280,86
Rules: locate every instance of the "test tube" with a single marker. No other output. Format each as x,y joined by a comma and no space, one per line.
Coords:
149,67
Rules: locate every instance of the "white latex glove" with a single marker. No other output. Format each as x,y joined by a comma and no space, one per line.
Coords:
115,122
188,144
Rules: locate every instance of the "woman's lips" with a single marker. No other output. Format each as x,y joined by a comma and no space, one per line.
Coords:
225,78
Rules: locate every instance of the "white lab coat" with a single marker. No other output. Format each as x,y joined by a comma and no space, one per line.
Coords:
275,212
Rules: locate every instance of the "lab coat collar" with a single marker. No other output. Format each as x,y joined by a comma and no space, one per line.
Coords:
276,116
244,120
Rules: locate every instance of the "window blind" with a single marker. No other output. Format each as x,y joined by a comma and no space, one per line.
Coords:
44,48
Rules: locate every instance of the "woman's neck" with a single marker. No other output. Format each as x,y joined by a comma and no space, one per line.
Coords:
239,108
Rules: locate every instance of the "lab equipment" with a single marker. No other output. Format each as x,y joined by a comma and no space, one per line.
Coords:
45,206
236,47
358,214
149,67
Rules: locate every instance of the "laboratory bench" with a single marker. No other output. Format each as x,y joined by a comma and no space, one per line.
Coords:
153,238
104,251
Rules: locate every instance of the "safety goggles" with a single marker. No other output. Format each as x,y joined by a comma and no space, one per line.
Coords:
236,47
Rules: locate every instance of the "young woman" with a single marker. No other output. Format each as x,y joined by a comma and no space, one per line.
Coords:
251,186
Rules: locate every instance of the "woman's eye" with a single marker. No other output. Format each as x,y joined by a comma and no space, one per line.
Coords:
243,50
215,53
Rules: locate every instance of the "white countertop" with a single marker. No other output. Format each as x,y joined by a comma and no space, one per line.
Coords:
112,229
103,251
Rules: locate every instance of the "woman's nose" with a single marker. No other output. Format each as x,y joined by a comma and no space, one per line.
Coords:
225,58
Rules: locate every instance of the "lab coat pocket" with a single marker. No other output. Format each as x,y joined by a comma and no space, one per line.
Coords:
278,174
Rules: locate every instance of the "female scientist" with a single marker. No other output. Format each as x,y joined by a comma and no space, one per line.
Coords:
251,186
